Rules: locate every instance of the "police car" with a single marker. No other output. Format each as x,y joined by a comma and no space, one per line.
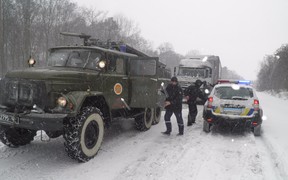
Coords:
233,103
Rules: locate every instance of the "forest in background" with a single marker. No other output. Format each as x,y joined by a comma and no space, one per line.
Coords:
273,73
28,28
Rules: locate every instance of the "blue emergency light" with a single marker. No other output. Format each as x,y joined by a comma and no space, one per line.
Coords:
224,81
246,82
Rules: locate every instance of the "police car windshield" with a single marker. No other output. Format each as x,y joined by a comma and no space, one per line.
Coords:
227,92
74,58
193,72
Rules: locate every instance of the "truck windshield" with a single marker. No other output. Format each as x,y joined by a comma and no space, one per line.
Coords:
193,72
74,58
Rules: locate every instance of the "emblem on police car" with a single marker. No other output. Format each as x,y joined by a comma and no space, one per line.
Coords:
118,88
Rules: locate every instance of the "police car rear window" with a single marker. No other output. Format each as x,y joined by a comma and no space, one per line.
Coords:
232,93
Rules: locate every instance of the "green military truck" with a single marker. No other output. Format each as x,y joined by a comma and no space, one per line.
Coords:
78,93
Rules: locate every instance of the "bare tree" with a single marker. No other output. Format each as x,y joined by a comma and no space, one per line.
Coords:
168,56
2,62
26,8
193,52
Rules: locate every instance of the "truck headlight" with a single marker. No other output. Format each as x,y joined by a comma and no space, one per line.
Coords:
102,64
207,91
31,62
61,101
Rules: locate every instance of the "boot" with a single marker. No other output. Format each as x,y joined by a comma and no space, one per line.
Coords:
181,130
166,133
169,128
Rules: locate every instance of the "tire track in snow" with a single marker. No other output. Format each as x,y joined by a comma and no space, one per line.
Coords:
277,157
32,160
153,164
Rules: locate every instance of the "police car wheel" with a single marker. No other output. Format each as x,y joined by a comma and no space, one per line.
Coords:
14,137
257,130
206,126
144,121
157,116
84,134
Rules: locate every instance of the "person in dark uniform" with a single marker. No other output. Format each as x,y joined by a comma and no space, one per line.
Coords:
191,94
173,104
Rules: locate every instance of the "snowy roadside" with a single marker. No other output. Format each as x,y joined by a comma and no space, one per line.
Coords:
274,128
281,94
129,154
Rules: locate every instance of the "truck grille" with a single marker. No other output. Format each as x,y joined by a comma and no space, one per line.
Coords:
22,93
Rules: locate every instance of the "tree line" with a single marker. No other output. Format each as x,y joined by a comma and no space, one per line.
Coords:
28,28
273,73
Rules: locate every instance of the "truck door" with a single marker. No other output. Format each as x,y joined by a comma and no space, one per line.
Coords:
115,82
143,82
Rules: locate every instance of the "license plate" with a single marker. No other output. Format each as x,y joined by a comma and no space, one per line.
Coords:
8,118
233,110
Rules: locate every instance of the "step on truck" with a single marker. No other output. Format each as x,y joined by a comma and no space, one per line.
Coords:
79,92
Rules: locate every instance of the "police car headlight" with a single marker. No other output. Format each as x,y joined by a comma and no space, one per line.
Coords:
62,102
207,91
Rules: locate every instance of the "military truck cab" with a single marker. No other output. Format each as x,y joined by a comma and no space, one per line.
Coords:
78,93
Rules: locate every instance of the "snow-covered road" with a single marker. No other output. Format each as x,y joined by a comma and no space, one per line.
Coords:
129,154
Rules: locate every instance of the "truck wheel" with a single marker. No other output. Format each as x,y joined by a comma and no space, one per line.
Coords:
157,116
14,137
257,130
144,121
84,134
206,126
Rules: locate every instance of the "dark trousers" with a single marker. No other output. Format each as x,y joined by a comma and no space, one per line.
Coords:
167,118
192,113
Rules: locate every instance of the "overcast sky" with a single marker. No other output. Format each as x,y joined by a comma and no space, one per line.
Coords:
240,32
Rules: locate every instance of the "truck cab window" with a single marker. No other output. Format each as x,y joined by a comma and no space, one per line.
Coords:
120,66
111,63
143,67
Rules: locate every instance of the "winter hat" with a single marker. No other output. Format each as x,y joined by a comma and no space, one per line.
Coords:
198,82
174,79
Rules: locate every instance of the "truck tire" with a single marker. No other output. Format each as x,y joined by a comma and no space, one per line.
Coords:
206,126
83,134
157,116
257,130
144,121
15,137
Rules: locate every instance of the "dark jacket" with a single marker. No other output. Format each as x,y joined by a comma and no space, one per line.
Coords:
175,95
193,91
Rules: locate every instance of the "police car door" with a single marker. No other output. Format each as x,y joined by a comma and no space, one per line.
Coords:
143,81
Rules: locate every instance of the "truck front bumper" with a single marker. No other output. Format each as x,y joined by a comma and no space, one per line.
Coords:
35,121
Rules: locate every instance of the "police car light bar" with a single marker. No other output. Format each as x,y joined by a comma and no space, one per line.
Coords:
224,81
244,82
